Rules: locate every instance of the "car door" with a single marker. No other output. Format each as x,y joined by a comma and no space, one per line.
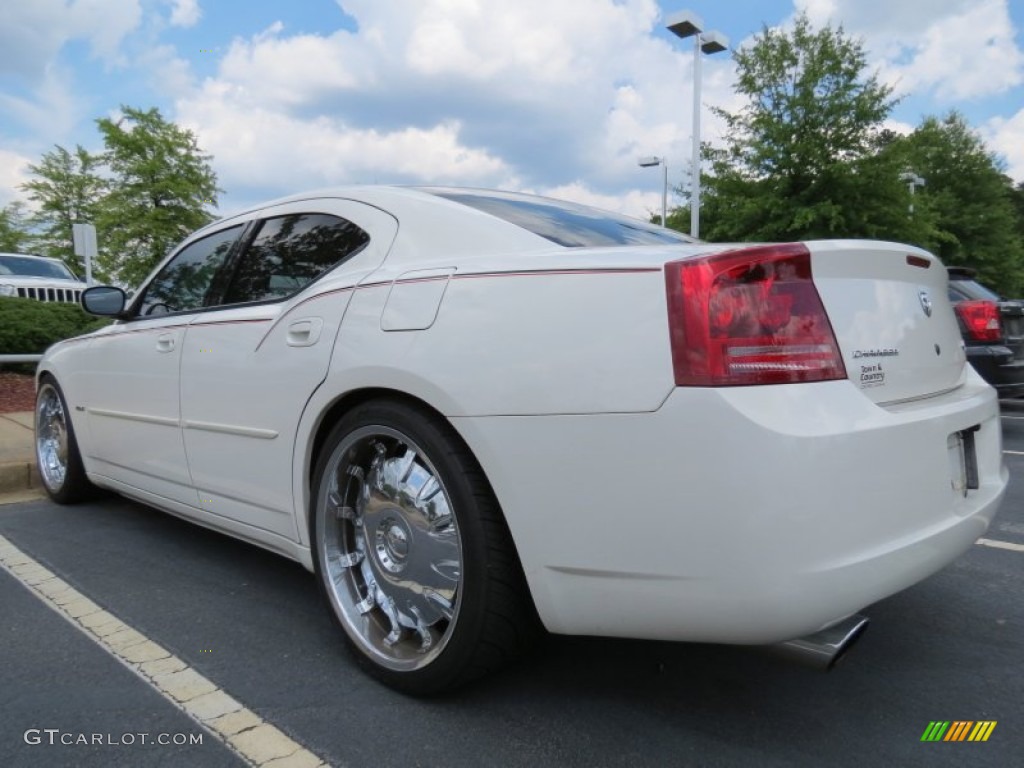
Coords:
131,375
249,368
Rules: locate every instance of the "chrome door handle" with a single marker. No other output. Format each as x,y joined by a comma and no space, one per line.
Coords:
165,343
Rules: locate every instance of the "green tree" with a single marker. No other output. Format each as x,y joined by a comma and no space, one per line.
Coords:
806,156
66,189
1017,197
161,185
14,232
678,218
978,223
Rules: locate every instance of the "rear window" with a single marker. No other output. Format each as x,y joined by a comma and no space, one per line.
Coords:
567,224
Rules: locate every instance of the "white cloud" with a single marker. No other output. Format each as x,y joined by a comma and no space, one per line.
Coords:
958,49
168,73
898,126
50,110
819,11
1006,137
459,91
256,146
32,33
896,18
291,71
557,97
13,173
185,13
968,55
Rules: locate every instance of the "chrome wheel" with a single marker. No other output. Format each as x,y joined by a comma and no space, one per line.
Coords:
390,548
51,438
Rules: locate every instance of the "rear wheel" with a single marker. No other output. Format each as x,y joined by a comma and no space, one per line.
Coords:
412,551
57,456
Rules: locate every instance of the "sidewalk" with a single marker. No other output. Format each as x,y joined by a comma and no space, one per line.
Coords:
17,456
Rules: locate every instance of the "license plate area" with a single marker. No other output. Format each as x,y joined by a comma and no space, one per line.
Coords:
963,460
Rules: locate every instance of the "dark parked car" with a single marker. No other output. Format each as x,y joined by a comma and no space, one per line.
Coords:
993,331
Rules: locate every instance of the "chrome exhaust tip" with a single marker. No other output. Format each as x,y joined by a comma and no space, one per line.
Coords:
824,649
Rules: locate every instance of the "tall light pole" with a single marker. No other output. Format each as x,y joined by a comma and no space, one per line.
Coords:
688,24
913,181
650,162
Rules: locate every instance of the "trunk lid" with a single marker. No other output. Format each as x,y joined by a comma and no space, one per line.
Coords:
889,308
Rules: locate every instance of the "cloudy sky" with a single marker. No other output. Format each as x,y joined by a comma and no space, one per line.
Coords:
558,97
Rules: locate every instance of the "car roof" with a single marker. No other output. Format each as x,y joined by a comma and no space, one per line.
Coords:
386,197
447,227
393,195
493,220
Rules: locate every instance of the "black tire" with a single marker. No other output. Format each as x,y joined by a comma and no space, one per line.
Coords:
71,485
492,619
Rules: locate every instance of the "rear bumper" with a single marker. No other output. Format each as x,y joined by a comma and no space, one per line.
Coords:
997,365
742,515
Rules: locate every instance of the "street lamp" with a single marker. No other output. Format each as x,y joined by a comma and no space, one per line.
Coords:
688,24
650,162
913,181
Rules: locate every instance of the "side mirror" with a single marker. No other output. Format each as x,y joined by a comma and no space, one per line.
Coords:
103,300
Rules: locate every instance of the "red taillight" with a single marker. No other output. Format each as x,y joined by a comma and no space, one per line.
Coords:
981,319
751,316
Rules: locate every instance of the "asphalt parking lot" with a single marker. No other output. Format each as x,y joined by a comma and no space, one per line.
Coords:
252,624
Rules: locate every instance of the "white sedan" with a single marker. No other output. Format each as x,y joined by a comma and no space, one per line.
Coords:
477,413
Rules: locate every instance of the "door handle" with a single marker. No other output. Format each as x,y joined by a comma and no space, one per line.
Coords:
305,332
165,343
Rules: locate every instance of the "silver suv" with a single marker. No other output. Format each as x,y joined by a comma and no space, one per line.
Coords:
38,277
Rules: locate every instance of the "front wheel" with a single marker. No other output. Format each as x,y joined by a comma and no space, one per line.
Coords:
412,552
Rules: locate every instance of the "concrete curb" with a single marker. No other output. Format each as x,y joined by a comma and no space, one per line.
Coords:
17,497
18,476
17,453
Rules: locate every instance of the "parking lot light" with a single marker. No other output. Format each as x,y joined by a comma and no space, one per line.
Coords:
688,24
650,162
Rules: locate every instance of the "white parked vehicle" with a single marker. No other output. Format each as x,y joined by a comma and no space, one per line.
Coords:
467,410
38,277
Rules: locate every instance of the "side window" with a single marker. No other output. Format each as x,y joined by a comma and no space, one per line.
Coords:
289,252
183,283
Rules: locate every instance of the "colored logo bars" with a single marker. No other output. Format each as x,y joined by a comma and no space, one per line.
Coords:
958,730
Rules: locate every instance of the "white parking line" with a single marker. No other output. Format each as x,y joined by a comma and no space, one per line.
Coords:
1000,544
1014,453
255,740
1004,416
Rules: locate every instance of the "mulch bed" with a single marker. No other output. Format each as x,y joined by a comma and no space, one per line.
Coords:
17,392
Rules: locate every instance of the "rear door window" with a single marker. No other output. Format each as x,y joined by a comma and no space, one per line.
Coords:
289,252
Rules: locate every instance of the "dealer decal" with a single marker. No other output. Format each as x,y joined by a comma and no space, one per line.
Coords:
872,376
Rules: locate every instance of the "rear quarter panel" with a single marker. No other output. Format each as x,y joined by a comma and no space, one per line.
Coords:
511,336
519,341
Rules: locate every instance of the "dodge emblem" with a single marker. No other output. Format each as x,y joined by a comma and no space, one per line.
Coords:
926,303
